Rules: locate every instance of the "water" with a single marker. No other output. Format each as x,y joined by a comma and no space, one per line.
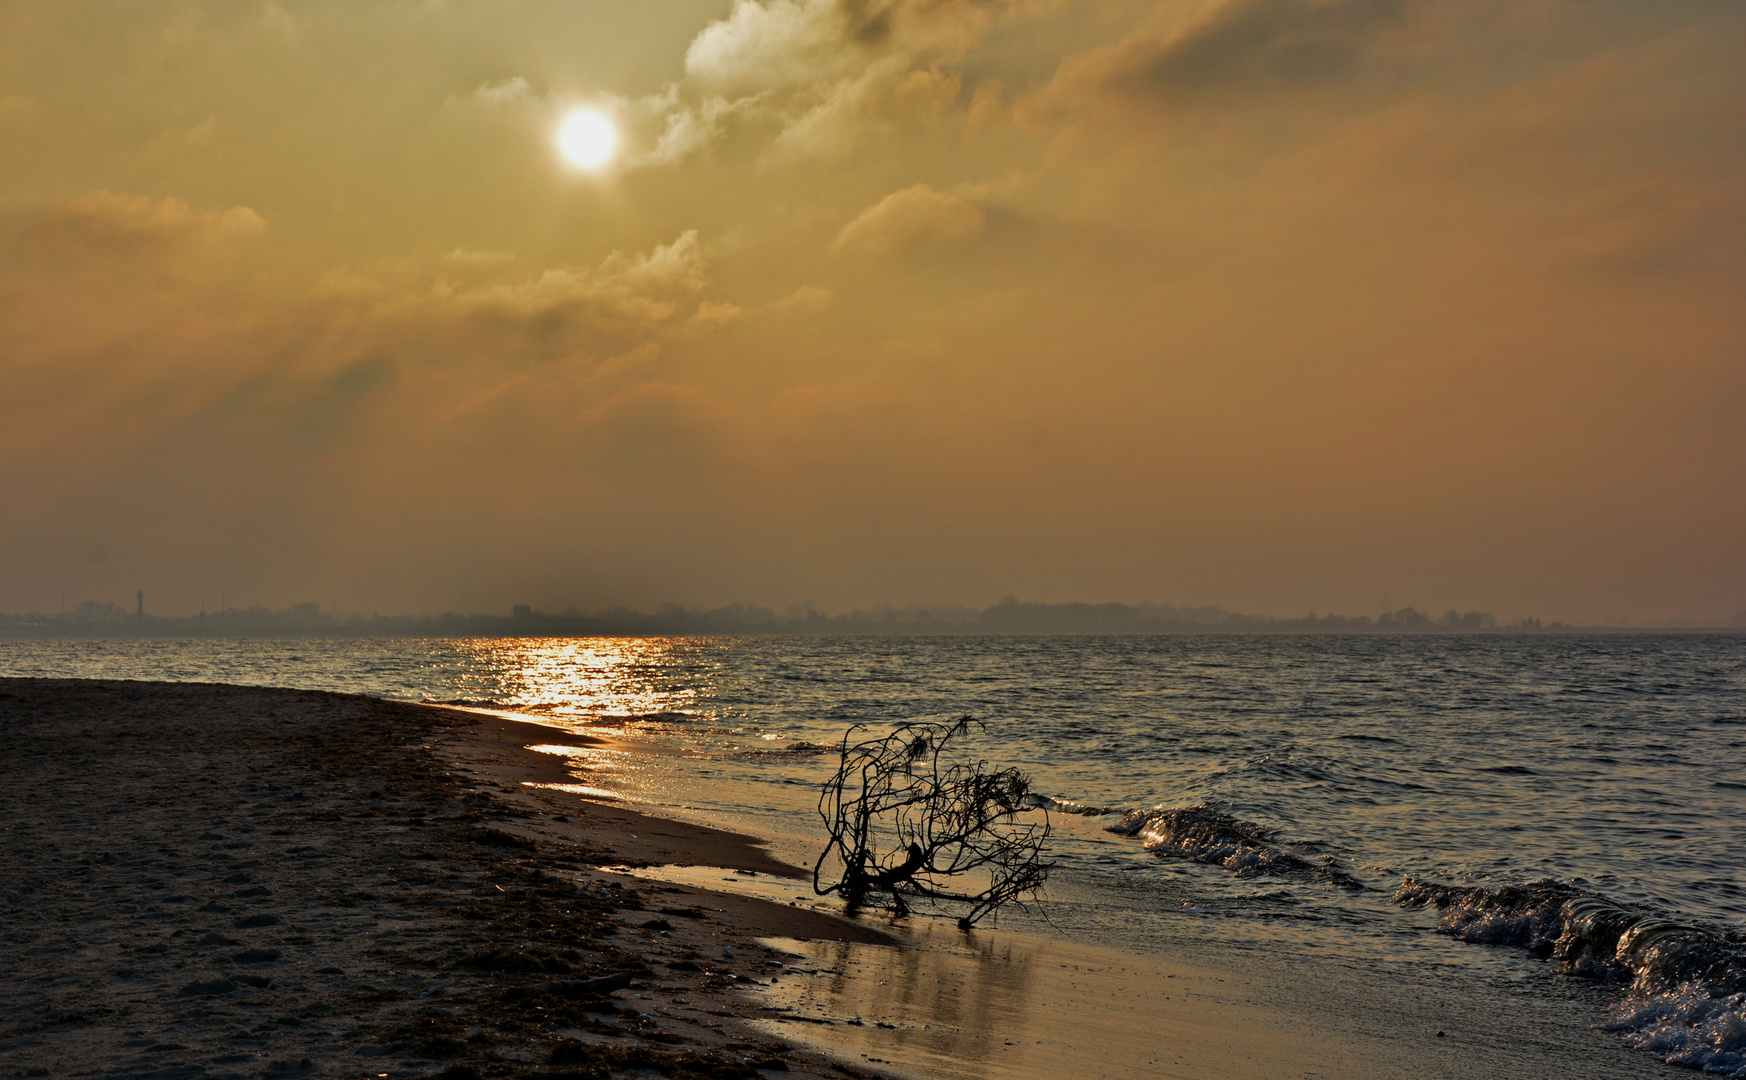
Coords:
1263,793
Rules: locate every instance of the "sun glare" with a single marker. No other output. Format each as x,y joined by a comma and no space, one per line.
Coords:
587,138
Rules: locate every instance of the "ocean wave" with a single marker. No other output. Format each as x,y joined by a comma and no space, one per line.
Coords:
1686,999
1686,1026
1528,916
792,750
1209,835
1069,806
665,717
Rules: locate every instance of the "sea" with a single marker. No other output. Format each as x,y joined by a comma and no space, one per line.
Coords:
1504,818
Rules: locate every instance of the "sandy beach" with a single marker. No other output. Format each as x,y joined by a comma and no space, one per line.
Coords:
214,881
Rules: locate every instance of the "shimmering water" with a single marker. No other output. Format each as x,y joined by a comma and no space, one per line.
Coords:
1276,791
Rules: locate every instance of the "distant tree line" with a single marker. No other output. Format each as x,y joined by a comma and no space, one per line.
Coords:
1010,616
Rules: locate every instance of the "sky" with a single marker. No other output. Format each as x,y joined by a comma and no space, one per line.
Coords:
1282,305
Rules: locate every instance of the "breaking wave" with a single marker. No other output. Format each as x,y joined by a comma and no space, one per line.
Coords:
1209,835
663,717
1068,806
792,750
1686,996
563,710
1685,985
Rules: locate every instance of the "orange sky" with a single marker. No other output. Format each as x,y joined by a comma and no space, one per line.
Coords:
1276,304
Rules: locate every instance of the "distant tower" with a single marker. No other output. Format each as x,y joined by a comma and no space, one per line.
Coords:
140,611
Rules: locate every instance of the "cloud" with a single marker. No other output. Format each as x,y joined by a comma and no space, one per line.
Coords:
360,377
689,129
914,216
774,44
661,128
471,257
714,313
1239,45
505,91
885,96
827,70
1315,302
139,220
658,428
623,293
814,75
806,298
679,265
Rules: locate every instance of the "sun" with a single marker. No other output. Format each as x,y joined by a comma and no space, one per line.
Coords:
587,138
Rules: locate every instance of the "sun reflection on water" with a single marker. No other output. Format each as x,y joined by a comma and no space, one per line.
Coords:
648,692
594,682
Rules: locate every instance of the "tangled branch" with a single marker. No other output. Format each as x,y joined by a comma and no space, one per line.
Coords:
904,821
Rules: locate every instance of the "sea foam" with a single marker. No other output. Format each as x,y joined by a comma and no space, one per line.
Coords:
1686,995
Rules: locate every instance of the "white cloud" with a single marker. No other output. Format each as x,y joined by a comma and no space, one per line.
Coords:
829,71
691,129
821,72
763,45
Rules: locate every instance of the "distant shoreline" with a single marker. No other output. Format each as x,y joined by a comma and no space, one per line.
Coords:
468,630
485,626
1009,618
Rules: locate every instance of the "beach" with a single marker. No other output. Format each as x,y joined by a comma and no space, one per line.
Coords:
216,881
212,881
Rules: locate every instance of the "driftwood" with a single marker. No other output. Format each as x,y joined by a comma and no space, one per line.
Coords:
907,822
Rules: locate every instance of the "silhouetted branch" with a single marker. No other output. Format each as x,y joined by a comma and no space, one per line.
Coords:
904,821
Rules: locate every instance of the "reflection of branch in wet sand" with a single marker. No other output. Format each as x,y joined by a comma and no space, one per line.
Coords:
1000,1006
948,1003
996,1000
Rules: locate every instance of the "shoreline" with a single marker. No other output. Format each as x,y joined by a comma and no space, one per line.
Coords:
205,880
1121,1012
435,903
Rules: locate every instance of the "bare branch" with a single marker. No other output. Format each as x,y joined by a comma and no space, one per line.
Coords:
904,821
